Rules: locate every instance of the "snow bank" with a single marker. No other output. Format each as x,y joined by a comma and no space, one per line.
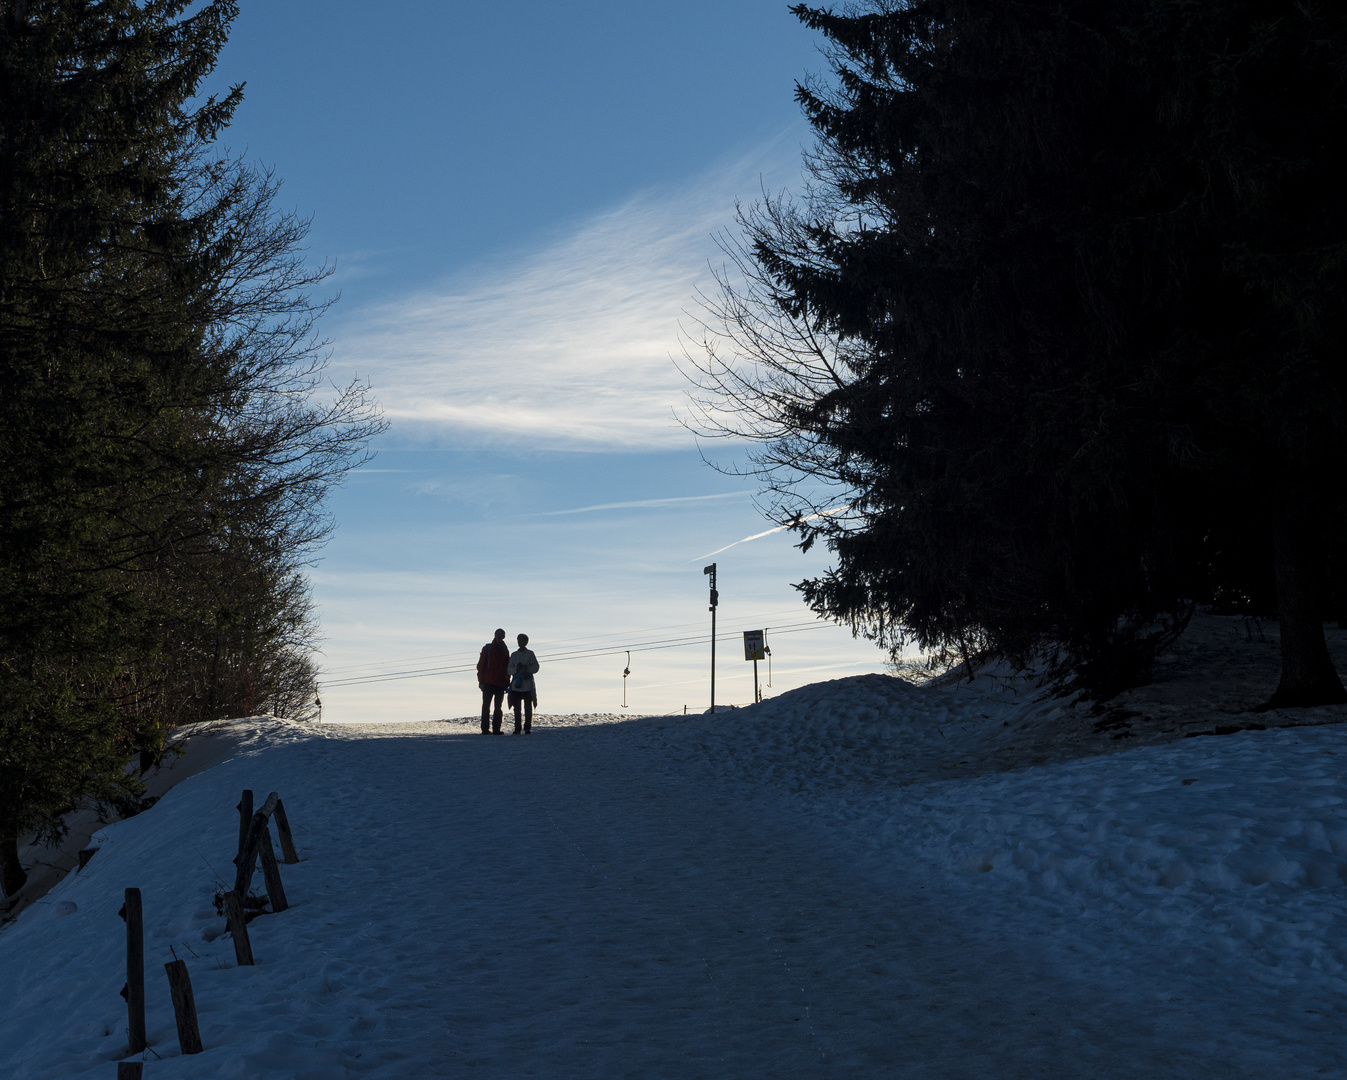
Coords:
193,749
1234,845
859,878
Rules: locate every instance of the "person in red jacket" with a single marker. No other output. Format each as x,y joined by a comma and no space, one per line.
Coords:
492,678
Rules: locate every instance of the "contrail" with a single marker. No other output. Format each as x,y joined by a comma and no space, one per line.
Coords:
768,532
670,501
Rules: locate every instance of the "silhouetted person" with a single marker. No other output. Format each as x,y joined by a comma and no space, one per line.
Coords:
493,677
521,669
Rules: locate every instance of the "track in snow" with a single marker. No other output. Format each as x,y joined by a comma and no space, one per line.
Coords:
583,911
574,904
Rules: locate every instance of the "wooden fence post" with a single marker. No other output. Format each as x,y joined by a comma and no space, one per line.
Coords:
243,879
245,809
238,929
271,873
130,1070
288,852
248,857
135,970
184,1007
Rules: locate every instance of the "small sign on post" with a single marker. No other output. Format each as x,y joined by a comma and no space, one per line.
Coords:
755,649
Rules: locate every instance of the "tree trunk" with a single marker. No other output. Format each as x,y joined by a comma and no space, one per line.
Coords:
12,873
150,745
1308,676
149,755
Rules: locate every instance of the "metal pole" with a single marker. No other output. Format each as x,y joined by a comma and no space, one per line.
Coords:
715,600
713,657
757,694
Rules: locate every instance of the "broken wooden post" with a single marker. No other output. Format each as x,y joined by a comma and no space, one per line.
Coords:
134,991
184,1007
238,929
288,852
271,873
245,809
130,1070
243,878
248,856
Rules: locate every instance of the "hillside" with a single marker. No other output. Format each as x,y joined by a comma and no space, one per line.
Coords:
859,878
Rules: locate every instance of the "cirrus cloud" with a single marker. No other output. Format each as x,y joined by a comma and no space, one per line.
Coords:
567,346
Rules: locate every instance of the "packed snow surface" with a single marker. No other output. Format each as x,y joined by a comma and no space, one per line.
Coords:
857,879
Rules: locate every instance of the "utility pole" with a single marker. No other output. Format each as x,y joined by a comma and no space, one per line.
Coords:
715,599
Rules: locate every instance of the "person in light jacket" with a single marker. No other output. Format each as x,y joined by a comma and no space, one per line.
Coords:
523,691
492,679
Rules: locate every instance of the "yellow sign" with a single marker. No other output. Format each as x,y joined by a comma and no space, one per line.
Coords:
754,646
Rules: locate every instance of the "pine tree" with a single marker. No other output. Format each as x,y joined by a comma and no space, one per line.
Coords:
1253,112
159,441
98,344
1035,326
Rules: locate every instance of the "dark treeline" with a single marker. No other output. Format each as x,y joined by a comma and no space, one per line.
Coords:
165,444
1052,351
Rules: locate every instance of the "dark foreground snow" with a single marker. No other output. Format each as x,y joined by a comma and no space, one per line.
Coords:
785,891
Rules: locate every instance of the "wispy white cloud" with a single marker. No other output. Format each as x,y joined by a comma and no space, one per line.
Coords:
567,346
671,501
353,265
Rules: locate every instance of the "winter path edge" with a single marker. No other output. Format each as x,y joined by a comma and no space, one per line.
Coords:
694,897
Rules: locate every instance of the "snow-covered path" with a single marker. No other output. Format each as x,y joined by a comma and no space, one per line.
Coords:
627,920
595,915
608,901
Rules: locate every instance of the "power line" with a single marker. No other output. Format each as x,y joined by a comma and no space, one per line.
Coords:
596,640
583,654
578,654
587,641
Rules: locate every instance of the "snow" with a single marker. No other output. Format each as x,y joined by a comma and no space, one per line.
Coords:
860,878
194,747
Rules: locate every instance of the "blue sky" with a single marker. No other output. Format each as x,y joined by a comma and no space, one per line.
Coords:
521,200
